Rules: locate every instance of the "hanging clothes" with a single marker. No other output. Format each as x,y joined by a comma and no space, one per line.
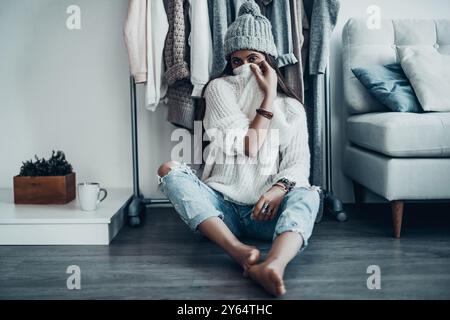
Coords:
294,74
323,19
136,39
157,28
176,51
221,14
279,14
301,11
200,41
145,32
177,57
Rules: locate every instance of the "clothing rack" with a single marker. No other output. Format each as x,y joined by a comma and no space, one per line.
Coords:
332,204
137,204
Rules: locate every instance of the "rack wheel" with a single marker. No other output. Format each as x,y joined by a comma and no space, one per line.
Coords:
335,207
136,213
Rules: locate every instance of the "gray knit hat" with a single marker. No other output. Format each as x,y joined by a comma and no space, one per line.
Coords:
251,30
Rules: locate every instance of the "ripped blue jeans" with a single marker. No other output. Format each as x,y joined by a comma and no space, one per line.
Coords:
195,202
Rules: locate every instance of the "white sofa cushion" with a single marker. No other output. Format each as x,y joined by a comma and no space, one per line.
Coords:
429,74
398,178
399,134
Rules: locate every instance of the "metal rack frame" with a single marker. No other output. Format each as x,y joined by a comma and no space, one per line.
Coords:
136,206
333,206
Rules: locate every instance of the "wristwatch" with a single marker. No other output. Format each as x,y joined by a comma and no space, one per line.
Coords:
288,185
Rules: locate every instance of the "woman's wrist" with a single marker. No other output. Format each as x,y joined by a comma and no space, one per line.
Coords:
267,103
270,95
279,187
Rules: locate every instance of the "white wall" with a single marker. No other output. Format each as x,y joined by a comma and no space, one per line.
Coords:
357,8
68,90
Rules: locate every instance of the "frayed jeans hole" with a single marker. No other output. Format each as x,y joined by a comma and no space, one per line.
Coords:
159,179
179,167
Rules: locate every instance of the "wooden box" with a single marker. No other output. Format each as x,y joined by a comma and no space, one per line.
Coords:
44,190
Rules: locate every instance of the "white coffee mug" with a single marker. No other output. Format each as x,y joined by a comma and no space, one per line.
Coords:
89,195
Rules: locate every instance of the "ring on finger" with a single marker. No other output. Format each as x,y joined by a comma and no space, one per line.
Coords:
264,208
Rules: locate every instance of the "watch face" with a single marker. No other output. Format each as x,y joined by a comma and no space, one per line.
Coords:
289,184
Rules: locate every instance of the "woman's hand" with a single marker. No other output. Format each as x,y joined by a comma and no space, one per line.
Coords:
267,78
273,197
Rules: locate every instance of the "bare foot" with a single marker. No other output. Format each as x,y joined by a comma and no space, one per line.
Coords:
268,276
246,256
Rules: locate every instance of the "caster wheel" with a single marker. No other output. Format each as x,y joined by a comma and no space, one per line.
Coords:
136,213
134,222
340,216
335,208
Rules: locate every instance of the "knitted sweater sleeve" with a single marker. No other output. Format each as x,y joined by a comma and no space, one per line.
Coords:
224,122
295,155
136,40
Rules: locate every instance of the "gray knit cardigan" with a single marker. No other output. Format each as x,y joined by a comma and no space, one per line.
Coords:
176,57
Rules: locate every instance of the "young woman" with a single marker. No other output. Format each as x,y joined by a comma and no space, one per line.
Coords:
239,198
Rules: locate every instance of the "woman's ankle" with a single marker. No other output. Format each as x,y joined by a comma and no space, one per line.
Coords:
236,248
275,263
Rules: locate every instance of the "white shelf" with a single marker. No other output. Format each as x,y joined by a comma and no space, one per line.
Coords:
61,224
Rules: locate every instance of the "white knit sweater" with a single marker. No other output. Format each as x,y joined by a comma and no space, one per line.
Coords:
231,104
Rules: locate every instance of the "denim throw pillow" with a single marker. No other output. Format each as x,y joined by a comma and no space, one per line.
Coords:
389,85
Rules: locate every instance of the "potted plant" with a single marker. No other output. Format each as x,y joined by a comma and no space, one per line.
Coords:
49,181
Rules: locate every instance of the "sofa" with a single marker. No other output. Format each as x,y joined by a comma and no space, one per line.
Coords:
400,156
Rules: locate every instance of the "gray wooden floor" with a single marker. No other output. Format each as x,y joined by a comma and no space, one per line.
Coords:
164,260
